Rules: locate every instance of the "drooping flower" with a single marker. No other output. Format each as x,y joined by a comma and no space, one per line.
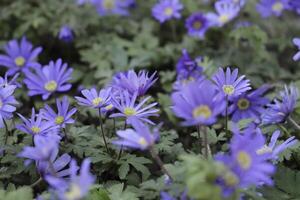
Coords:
195,106
280,110
187,67
7,103
229,84
128,106
63,114
19,57
134,82
226,11
66,34
77,186
36,125
266,8
249,105
274,149
296,42
51,78
197,25
165,10
111,7
138,138
95,99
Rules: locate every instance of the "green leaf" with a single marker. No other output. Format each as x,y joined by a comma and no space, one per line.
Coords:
123,170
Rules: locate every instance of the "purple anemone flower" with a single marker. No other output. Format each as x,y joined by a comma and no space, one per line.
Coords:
77,185
138,138
95,99
197,25
266,8
66,34
229,84
295,5
19,57
63,114
274,149
226,11
195,106
111,7
280,110
51,78
249,105
296,42
165,10
134,82
4,82
128,106
7,103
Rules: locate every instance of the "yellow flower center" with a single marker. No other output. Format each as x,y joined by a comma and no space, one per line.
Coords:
51,86
129,111
73,193
142,141
265,149
244,159
109,107
202,111
197,25
228,89
97,101
243,104
35,129
224,19
108,4
20,61
59,120
230,178
277,7
169,11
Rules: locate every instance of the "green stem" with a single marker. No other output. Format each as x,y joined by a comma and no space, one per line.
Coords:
226,116
205,142
156,157
6,132
121,150
36,182
173,27
295,124
199,138
102,130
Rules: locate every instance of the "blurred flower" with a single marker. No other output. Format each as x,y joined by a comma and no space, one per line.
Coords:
249,105
195,106
240,3
19,57
276,150
197,24
7,103
266,8
49,79
4,82
278,111
133,82
229,84
139,138
128,106
77,186
63,115
112,7
295,5
94,99
296,42
66,34
166,196
165,10
36,125
226,11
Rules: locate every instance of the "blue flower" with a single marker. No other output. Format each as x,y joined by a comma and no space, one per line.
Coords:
66,34
197,25
95,99
296,42
112,7
266,8
165,10
7,103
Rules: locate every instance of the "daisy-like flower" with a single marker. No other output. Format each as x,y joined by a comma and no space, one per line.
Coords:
266,8
229,84
128,106
7,103
280,110
296,42
274,149
36,125
138,138
111,7
95,99
226,11
165,10
4,82
19,57
63,114
197,25
134,82
51,78
195,106
249,105
66,34
77,185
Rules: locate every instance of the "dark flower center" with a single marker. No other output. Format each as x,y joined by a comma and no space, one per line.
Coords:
243,104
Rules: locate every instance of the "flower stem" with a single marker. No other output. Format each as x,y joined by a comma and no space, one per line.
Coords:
6,132
102,130
173,27
156,157
121,150
205,142
66,135
36,182
226,116
296,125
199,138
